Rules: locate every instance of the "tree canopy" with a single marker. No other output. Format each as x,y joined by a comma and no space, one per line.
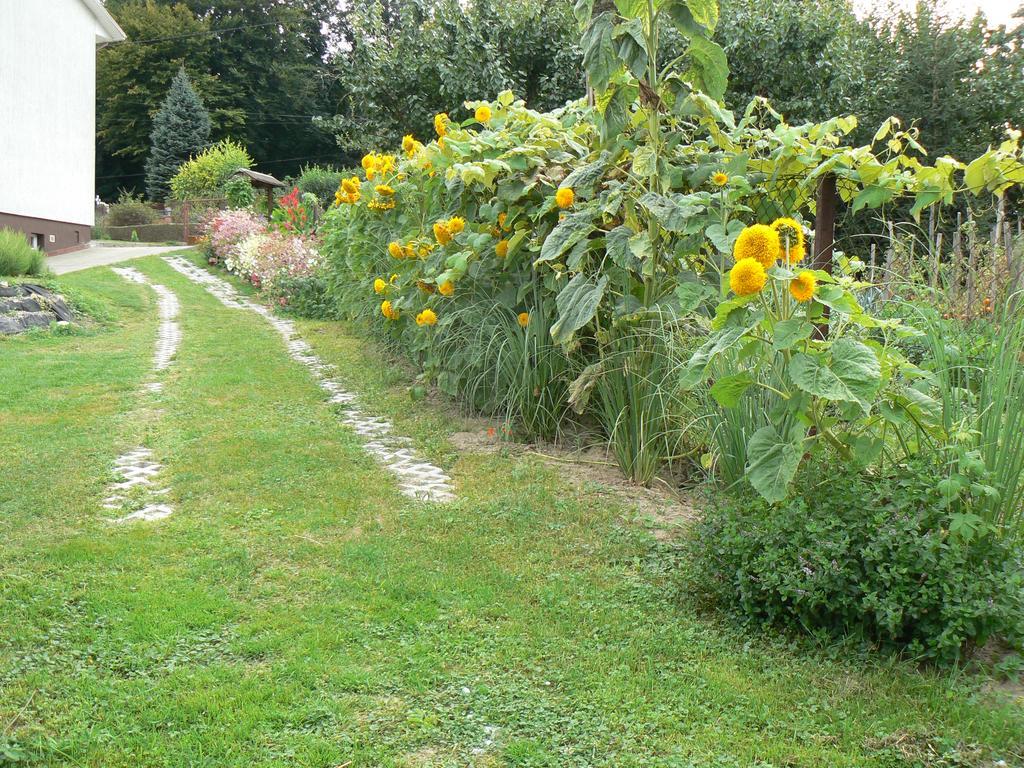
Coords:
315,81
181,129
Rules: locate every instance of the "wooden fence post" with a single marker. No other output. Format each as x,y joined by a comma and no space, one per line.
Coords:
824,234
186,215
972,249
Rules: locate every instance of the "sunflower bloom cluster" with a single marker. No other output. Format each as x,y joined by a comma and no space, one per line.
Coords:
747,277
410,145
376,164
791,240
565,197
441,123
381,204
442,234
389,311
349,192
758,242
802,286
445,230
426,317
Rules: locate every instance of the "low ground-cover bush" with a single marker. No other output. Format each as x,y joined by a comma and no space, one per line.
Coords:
882,558
17,257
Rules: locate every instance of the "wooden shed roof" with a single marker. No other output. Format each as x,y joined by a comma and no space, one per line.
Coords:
264,180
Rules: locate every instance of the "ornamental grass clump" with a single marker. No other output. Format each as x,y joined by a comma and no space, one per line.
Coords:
17,257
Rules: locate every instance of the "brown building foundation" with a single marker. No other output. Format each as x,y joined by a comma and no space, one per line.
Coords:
52,237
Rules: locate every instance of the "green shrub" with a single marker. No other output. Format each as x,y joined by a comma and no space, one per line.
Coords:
239,192
17,257
129,211
877,558
320,181
204,176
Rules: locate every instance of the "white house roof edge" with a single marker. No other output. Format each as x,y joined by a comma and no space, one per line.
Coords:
112,32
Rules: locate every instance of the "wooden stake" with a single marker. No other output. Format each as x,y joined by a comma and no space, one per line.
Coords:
972,249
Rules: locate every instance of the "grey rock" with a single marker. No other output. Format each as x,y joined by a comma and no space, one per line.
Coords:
17,322
20,304
10,290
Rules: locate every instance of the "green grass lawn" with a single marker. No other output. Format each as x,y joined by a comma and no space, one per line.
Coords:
296,610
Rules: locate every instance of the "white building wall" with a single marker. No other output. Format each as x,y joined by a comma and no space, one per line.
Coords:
47,109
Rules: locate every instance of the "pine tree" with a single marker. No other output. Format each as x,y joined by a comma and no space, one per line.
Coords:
181,129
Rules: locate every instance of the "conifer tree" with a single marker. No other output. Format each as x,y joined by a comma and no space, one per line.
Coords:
181,129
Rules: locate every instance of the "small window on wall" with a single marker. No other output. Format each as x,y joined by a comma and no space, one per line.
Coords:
37,240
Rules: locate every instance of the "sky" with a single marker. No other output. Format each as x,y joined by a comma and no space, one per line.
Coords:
997,11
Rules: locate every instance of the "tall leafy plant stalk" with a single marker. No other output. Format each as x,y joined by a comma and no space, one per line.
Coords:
983,410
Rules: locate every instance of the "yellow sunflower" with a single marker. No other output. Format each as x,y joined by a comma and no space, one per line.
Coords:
565,197
720,179
482,114
379,286
791,239
447,288
426,317
524,319
802,286
456,224
441,121
396,250
384,190
759,242
388,310
747,277
501,249
442,234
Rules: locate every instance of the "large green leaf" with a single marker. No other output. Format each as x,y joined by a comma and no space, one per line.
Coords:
704,12
710,63
694,18
615,115
772,462
574,228
644,161
599,59
669,211
632,48
810,372
587,175
853,376
696,367
617,245
858,368
729,389
788,332
691,295
577,303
